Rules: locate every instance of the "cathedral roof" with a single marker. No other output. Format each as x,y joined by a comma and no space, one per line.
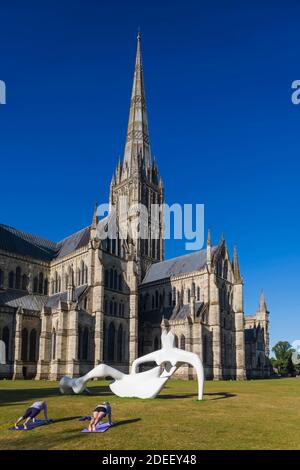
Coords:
17,241
174,267
15,298
172,313
185,311
53,300
73,242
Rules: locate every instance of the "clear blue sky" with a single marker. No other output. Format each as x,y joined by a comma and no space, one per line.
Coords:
218,84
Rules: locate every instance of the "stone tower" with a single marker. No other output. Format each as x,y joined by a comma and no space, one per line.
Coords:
262,317
238,306
136,185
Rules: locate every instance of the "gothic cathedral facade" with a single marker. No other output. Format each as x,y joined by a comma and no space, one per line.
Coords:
68,306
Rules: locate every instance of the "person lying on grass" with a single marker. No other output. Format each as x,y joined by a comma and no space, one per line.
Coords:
32,412
98,414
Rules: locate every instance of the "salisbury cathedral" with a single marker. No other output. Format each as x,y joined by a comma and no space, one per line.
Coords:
67,306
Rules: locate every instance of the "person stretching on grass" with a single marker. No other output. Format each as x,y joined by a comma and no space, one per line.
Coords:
32,412
98,414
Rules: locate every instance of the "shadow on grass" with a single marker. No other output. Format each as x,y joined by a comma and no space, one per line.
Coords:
23,395
126,421
218,395
187,395
69,418
99,390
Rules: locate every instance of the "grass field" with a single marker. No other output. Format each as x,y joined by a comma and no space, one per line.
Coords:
262,414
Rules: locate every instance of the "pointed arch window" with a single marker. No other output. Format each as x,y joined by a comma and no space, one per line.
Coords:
71,276
41,283
115,280
79,346
32,345
111,279
111,342
66,281
56,282
193,289
81,280
18,278
120,283
141,346
174,296
35,284
182,342
120,344
46,287
106,278
104,343
85,344
78,277
225,269
53,344
24,282
24,347
5,339
11,280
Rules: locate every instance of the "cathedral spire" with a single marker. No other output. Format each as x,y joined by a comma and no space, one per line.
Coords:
235,266
95,215
208,248
137,138
262,303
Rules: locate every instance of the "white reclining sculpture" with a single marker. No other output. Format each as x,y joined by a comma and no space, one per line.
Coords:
143,384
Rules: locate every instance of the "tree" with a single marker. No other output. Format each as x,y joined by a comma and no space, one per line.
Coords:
283,358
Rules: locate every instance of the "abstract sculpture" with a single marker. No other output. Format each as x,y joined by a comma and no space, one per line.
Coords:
142,384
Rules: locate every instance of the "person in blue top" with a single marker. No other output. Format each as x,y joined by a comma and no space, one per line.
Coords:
99,413
32,412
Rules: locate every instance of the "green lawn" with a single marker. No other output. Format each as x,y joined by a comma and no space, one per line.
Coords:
262,414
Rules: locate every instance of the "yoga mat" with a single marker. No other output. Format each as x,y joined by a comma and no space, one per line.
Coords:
31,425
99,428
85,418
